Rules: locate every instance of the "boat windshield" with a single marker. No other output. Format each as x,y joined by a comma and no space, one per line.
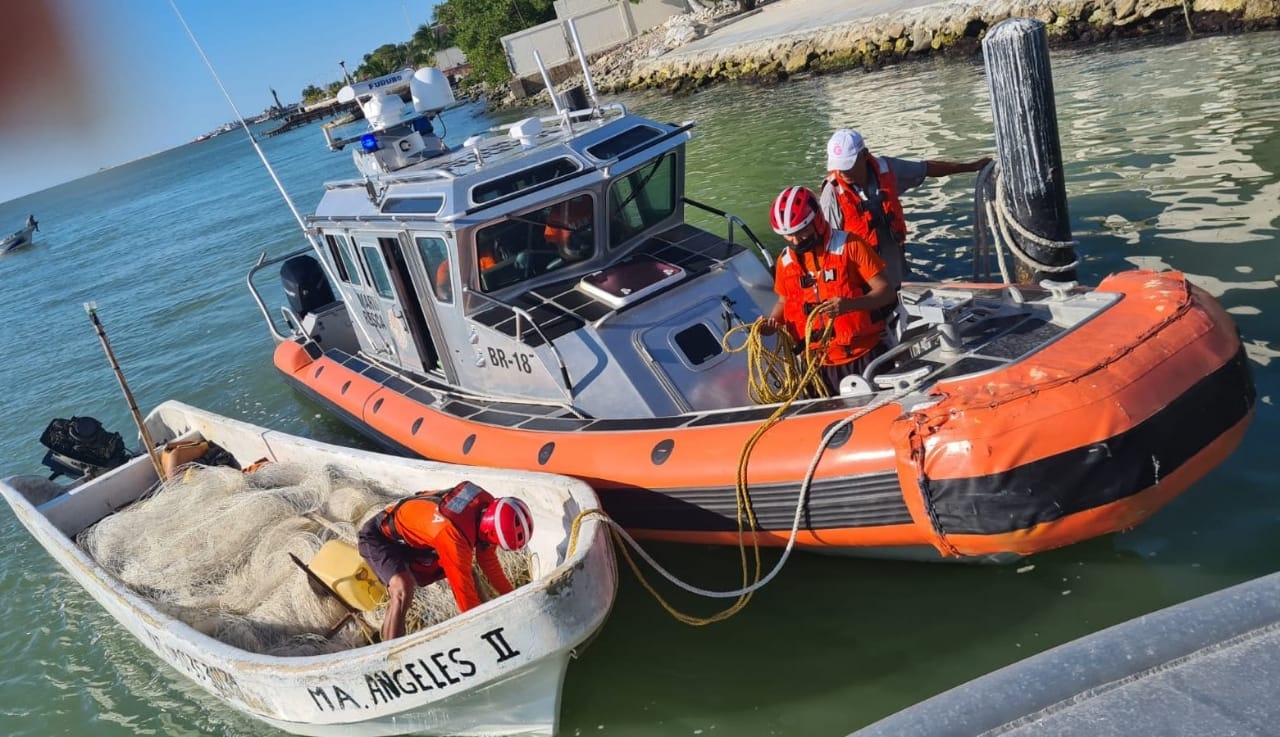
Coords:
642,198
536,242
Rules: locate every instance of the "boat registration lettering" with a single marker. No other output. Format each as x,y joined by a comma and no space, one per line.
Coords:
514,361
223,683
370,310
437,671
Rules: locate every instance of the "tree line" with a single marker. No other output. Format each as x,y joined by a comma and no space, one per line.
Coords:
475,26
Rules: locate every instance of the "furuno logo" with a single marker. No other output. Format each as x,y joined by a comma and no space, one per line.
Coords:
383,82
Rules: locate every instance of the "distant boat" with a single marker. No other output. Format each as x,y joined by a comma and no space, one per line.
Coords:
495,669
16,241
19,239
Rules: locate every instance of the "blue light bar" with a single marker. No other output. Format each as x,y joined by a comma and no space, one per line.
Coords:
369,142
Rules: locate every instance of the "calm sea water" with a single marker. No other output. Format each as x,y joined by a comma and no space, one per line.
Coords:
1172,160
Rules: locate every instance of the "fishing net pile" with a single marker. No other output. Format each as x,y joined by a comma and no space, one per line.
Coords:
211,548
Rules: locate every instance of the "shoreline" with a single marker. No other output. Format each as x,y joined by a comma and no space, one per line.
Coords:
753,52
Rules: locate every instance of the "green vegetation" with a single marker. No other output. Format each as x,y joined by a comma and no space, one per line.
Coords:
475,26
478,25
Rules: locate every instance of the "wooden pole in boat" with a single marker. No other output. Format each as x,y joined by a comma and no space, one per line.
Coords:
92,309
1020,82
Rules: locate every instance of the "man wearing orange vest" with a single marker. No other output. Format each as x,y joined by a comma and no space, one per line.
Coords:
433,535
861,194
830,272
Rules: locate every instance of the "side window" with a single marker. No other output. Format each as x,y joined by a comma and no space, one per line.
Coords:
435,256
535,243
377,271
641,198
341,257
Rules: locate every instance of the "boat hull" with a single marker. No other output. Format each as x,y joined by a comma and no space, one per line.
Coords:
496,669
1088,435
17,240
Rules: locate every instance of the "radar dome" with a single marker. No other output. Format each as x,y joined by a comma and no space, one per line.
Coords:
430,89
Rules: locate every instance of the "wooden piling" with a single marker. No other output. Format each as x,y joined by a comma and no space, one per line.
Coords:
1030,176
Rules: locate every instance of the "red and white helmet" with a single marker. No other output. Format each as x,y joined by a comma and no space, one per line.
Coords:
506,522
794,209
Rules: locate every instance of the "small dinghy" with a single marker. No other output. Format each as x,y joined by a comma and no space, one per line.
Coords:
17,240
296,648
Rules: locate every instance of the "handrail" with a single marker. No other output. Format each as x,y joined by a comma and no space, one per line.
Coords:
520,313
732,219
263,262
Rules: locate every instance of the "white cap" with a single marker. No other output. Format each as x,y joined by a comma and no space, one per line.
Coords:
843,149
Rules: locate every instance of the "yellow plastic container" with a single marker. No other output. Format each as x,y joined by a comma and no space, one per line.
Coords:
340,566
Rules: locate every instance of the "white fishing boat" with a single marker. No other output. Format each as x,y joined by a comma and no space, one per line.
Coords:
495,669
17,240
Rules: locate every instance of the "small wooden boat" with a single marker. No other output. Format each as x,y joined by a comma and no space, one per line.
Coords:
431,313
496,669
17,240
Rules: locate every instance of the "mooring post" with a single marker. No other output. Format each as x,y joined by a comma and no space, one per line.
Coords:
1030,179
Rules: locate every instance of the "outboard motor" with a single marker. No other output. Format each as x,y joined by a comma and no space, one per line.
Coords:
305,285
81,447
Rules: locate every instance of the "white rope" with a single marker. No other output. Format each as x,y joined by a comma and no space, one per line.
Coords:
1002,219
795,521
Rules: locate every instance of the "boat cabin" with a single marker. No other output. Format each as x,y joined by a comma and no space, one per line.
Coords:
546,261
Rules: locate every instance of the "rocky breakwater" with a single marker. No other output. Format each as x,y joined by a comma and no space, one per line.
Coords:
952,27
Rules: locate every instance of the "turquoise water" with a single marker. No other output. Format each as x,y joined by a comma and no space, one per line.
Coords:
1172,159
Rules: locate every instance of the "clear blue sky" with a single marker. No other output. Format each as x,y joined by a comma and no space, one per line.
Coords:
143,86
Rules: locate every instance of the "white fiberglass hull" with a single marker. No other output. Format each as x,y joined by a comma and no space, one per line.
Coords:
496,669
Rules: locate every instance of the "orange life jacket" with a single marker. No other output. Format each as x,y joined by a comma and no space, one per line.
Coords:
444,529
414,521
859,218
841,270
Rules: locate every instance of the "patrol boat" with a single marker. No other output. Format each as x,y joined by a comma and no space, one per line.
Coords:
536,299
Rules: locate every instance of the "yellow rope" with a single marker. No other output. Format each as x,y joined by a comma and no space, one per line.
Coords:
775,376
781,373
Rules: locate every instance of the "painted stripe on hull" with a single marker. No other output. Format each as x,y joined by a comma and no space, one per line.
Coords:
865,501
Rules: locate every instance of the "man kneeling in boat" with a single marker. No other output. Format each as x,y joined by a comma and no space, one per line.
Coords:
832,273
433,535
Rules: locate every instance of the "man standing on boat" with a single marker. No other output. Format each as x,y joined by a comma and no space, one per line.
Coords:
31,223
433,535
861,192
832,273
